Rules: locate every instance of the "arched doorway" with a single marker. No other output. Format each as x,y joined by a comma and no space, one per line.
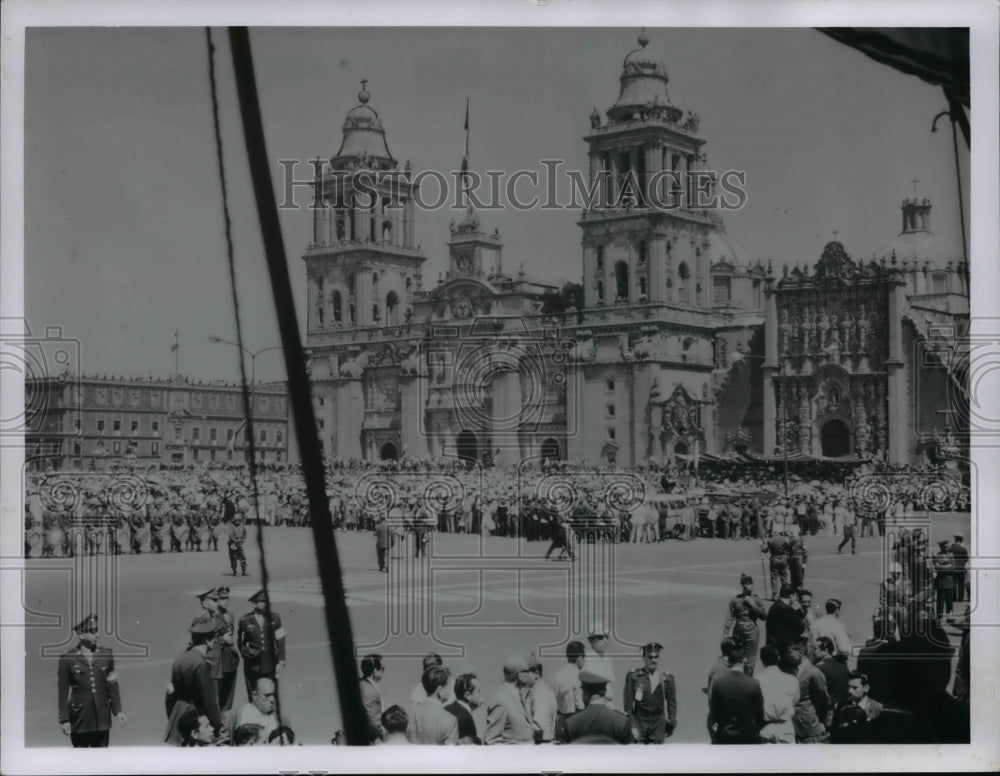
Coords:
468,446
681,448
388,452
550,450
835,439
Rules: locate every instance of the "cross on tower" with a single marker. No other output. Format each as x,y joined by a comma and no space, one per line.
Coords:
834,234
364,84
915,181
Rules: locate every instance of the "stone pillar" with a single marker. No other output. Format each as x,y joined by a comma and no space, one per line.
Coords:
770,365
349,416
358,214
506,416
413,435
655,251
653,433
643,375
898,405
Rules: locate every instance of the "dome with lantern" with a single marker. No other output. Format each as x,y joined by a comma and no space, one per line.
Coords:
643,88
916,243
364,136
723,249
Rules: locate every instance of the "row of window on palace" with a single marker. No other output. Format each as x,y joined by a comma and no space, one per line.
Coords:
154,430
141,450
721,286
214,400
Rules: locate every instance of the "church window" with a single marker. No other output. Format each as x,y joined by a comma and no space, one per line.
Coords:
621,280
642,285
337,310
376,313
351,285
600,260
386,231
683,287
721,290
353,316
600,290
392,308
939,283
642,252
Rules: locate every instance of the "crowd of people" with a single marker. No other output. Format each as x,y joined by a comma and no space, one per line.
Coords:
191,508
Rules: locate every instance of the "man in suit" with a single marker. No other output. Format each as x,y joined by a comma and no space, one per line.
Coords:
814,700
597,723
853,718
833,666
372,671
785,626
261,642
736,702
191,684
88,690
508,719
468,697
429,722
227,656
651,698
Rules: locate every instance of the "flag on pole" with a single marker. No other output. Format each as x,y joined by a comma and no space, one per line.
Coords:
232,442
465,159
176,346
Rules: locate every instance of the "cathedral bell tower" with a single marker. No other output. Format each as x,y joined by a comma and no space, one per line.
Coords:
644,241
362,264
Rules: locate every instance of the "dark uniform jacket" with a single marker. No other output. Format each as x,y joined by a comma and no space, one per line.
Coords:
601,724
383,535
88,690
225,658
191,677
737,707
778,548
641,701
741,621
784,624
252,642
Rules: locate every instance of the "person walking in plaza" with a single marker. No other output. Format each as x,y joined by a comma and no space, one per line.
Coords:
735,702
944,580
745,611
597,723
778,548
798,558
848,521
191,684
780,691
261,642
562,538
224,671
89,694
237,538
960,553
468,698
508,718
383,543
429,722
650,698
372,671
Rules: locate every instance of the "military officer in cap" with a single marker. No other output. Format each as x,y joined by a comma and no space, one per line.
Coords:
778,548
741,626
88,689
191,684
228,657
598,723
237,538
254,636
651,698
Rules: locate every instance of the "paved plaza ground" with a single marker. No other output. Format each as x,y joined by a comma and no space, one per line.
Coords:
474,601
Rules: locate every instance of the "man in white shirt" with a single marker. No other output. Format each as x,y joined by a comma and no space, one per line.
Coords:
781,693
599,663
566,683
260,710
829,625
543,704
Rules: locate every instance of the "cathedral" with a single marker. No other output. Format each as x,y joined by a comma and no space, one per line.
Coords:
681,346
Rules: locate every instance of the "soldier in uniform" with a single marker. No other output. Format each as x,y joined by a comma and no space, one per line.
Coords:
778,548
651,698
237,538
178,533
214,530
741,626
598,723
261,642
191,684
136,524
226,666
88,690
158,527
798,557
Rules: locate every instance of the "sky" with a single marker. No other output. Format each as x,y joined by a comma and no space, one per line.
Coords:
124,238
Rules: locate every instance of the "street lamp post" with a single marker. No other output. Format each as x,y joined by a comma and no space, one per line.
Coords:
784,417
253,370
